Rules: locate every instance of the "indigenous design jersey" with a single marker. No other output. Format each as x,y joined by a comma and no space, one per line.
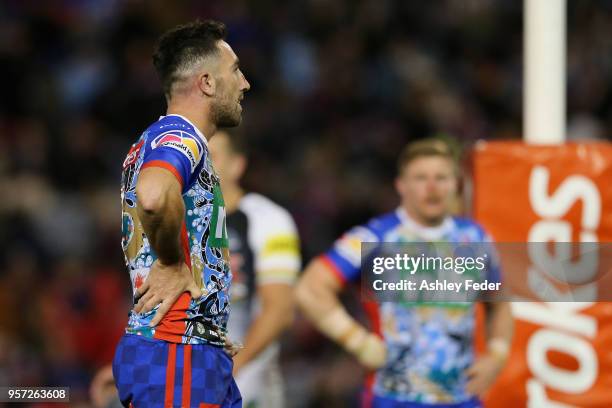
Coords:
176,145
428,347
264,249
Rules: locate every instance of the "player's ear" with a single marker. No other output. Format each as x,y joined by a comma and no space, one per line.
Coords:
399,186
455,184
207,84
240,166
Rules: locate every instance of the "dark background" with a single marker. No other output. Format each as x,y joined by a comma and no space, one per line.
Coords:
338,87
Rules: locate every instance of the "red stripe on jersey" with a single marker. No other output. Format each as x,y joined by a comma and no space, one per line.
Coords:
185,244
170,371
165,165
186,396
334,269
368,393
372,310
172,326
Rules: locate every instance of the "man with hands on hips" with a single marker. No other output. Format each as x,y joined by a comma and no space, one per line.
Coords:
174,235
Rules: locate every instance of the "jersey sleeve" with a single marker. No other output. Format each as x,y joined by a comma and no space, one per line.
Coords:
344,258
275,241
279,259
177,151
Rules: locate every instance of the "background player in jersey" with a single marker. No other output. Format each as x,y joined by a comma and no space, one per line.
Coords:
421,354
265,261
174,235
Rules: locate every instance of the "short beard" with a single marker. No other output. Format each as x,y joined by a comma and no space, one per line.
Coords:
224,116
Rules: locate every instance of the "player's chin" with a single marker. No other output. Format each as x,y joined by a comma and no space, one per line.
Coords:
434,213
237,119
236,116
230,121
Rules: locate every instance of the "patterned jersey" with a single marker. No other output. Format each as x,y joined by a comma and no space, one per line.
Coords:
429,347
173,143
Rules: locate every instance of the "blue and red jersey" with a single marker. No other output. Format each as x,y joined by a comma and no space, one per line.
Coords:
429,347
174,144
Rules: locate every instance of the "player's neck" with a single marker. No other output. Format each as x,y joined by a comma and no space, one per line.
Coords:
198,117
232,194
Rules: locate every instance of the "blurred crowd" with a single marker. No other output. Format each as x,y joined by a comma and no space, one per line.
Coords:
338,87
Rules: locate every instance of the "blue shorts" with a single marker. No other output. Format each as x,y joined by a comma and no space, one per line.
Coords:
155,373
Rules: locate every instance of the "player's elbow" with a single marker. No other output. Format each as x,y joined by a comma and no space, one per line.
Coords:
150,198
302,293
150,203
305,293
156,189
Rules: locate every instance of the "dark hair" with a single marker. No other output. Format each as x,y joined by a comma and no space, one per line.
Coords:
183,46
237,143
426,147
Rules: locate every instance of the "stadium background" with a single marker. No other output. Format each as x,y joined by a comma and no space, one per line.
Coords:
338,87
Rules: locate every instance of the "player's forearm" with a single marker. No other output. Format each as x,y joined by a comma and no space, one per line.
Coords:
276,314
500,325
317,296
322,307
163,230
161,211
263,331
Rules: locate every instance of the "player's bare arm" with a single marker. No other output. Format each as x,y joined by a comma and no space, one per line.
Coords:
317,295
483,373
161,210
276,315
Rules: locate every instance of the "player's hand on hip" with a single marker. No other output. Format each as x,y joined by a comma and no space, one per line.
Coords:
163,287
482,374
370,350
232,347
368,347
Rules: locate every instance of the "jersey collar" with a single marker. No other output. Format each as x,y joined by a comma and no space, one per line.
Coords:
427,233
200,134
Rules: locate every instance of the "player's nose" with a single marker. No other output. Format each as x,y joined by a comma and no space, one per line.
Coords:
245,84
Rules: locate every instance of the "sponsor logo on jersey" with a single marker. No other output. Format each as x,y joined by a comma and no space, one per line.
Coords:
189,146
132,156
349,245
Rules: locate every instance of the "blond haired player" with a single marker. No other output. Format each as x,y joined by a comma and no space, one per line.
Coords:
420,355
